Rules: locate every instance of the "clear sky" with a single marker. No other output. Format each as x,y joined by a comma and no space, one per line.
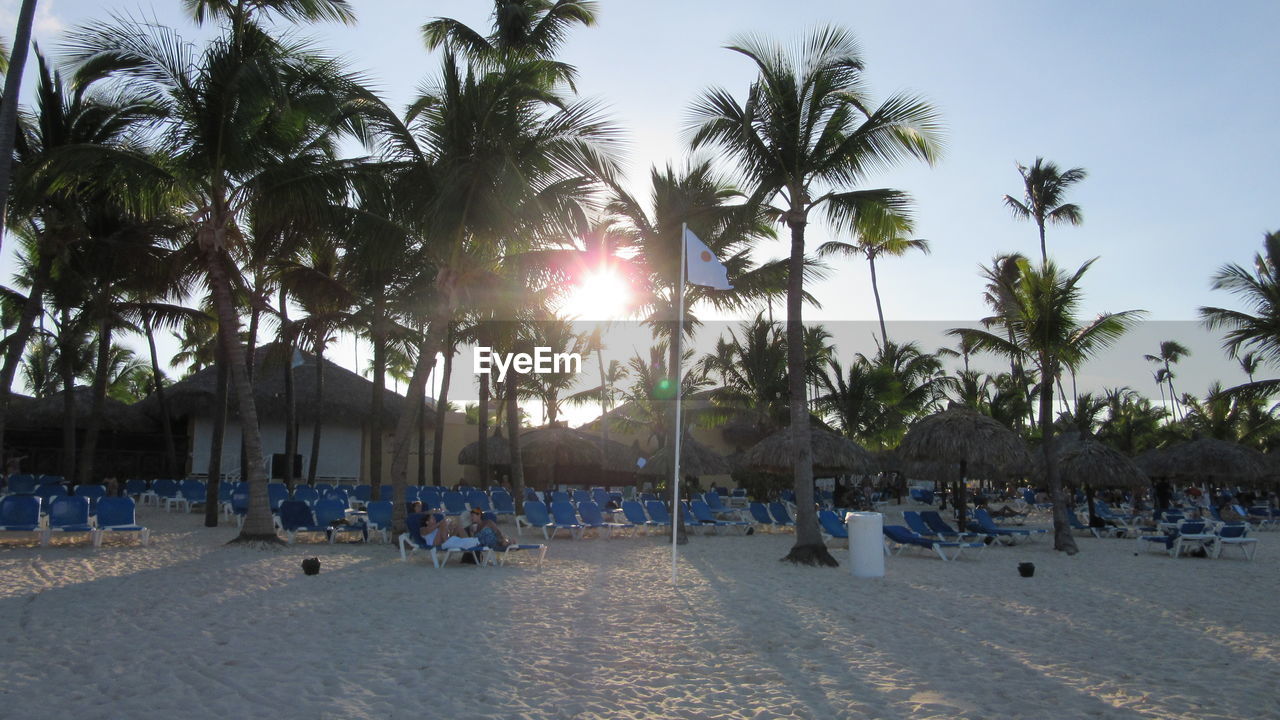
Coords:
1170,106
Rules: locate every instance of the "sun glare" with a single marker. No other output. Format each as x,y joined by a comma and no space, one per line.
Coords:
599,296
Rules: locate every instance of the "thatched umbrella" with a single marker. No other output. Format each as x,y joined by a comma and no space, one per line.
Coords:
832,453
1088,463
967,438
1206,460
696,460
497,447
49,412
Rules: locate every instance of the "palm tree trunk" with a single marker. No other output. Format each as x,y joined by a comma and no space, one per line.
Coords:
513,440
218,432
1044,253
809,548
257,522
430,344
287,337
9,110
251,348
482,446
17,342
442,411
85,471
604,412
875,290
67,370
318,420
379,340
1062,538
157,385
423,414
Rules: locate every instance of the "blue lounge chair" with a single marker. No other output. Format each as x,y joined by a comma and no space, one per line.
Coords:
117,514
69,515
633,511
781,518
21,484
1074,522
361,495
558,496
47,492
306,494
321,487
1236,535
191,492
580,496
454,503
337,494
329,512
658,513
535,516
982,522
477,499
593,518
691,521
899,537
412,541
1193,534
706,515
379,518
718,509
564,517
347,488
600,497
831,526
296,517
502,504
430,498
94,492
20,513
276,494
240,502
163,490
760,514
135,488
917,525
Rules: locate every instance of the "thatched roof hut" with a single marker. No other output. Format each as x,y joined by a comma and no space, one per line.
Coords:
1085,461
346,394
696,460
496,448
552,446
963,435
832,453
49,412
1206,460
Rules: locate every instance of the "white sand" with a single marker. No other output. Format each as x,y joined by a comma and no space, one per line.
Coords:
190,628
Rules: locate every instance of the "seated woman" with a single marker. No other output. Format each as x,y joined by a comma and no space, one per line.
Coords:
427,529
484,528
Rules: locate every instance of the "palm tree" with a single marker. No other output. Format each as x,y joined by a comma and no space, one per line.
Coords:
1132,421
805,134
523,30
1042,318
889,238
15,64
1258,327
234,115
1170,353
1044,187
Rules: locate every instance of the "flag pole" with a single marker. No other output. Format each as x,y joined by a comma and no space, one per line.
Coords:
675,464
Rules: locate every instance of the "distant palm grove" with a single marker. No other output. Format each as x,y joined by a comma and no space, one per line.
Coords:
203,189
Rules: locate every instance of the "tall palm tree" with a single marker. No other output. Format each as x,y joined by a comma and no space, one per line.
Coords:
1044,189
1256,328
890,238
15,64
522,30
1170,353
235,114
806,133
1042,318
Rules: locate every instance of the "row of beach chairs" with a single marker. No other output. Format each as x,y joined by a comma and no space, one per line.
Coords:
70,515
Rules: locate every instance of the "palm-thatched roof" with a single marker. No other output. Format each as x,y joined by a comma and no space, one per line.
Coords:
346,395
1206,459
961,434
696,460
832,453
552,446
1085,461
50,411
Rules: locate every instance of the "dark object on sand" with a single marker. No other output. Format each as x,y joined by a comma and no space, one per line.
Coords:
311,566
1026,569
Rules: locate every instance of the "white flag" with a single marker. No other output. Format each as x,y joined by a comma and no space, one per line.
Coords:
704,267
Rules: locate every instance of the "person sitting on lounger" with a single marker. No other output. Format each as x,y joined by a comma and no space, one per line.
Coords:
484,528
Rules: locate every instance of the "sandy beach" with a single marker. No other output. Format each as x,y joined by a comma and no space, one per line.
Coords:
191,628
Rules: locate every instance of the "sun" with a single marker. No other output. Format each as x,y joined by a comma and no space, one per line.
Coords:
599,295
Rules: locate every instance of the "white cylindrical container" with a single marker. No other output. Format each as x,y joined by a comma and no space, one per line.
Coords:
866,544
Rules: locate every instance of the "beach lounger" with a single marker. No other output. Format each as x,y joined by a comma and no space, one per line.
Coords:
69,515
916,524
378,518
502,556
117,514
1235,535
535,516
163,490
329,512
296,517
361,495
634,513
718,509
933,520
760,515
898,538
1193,534
412,541
21,484
706,515
477,499
831,525
454,503
47,492
781,518
982,522
94,492
1075,524
191,492
276,494
306,494
564,517
20,514
658,513
691,521
503,504
593,518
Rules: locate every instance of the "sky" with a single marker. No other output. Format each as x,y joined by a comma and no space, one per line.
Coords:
1171,107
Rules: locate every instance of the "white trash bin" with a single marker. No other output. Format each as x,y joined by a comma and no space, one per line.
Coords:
866,544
